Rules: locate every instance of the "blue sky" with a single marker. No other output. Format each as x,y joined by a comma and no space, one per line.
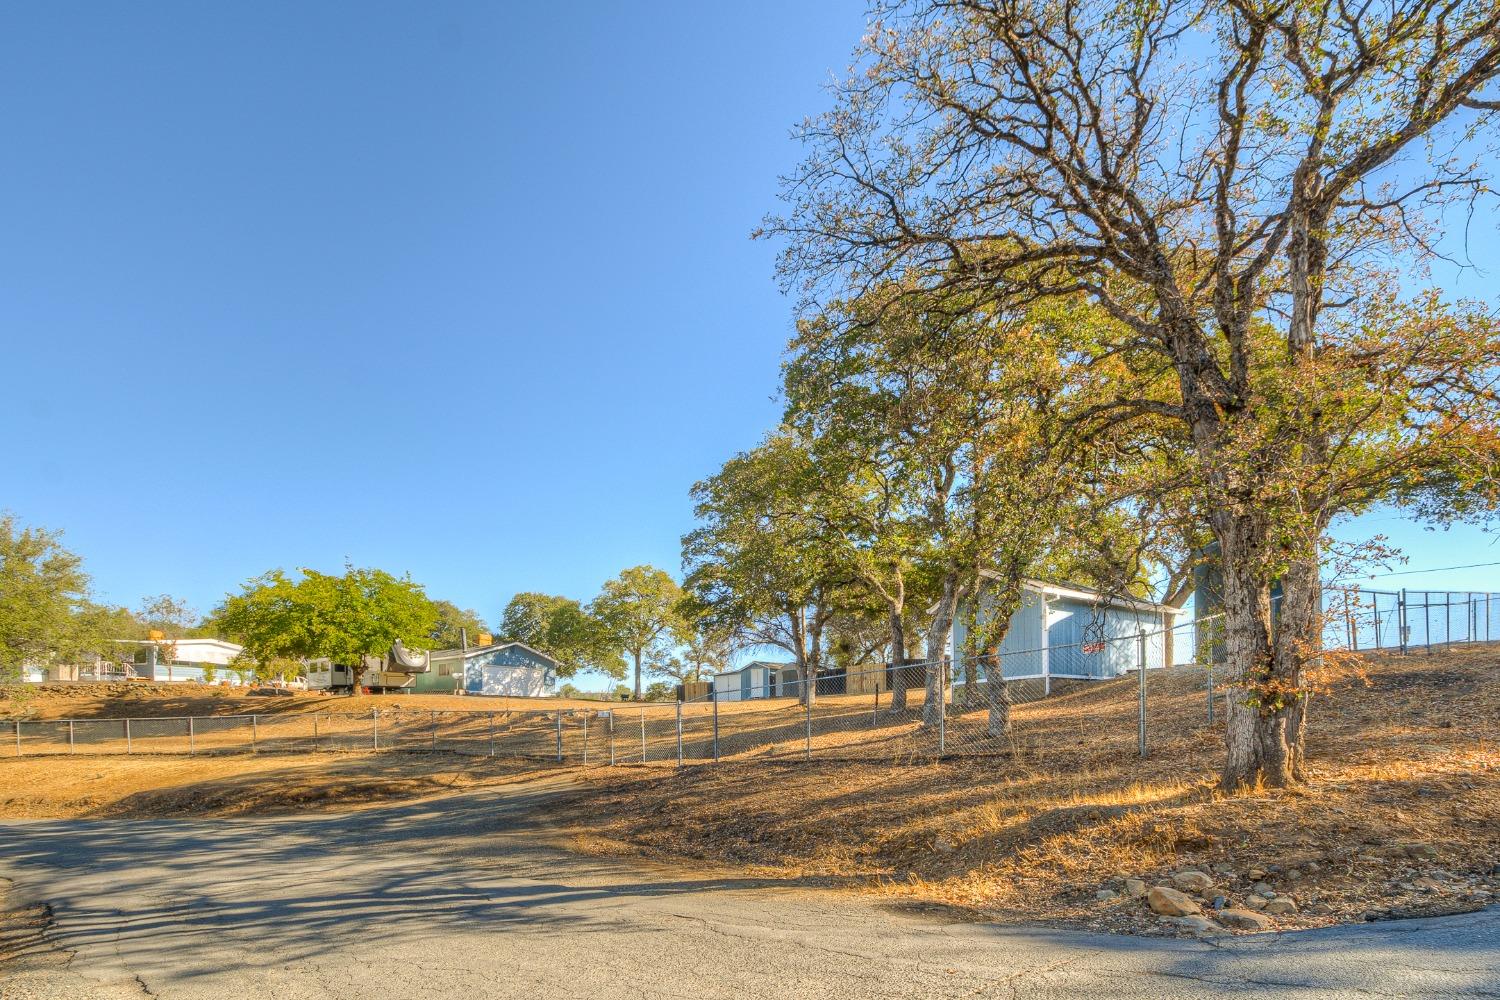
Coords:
464,290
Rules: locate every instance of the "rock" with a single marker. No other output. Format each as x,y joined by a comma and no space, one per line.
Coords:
1192,881
1281,904
1424,852
1223,869
1105,894
1196,924
1219,902
1245,920
1255,874
1427,884
1255,902
1321,909
1135,888
1171,902
1370,916
1262,889
1292,874
1313,867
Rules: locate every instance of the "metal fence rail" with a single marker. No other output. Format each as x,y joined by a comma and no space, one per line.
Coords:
1106,698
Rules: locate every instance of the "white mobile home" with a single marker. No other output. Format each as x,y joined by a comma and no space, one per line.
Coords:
1076,633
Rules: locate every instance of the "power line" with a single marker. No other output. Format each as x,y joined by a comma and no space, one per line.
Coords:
1440,569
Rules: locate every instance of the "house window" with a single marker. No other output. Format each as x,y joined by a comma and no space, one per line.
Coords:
445,670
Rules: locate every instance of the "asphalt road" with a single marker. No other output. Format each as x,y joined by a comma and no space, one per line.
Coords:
461,897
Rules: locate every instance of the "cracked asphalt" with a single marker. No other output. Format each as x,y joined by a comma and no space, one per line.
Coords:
465,896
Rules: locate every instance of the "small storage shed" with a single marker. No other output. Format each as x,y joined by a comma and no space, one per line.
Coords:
758,679
512,669
1049,633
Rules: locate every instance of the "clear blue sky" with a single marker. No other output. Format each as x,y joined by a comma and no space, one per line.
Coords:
459,289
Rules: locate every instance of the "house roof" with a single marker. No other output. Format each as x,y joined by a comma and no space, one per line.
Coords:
1081,593
450,654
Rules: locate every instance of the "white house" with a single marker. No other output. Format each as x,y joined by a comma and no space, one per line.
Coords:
184,659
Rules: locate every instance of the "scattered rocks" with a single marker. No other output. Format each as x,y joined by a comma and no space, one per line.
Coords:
1245,920
1172,902
1223,869
1196,924
1255,902
1281,904
1292,874
1192,881
1262,889
1135,888
1320,909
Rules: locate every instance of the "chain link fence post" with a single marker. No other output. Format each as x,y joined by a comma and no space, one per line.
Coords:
492,734
1210,692
190,736
1401,619
642,711
558,728
70,736
716,728
315,732
255,733
611,737
679,734
433,721
18,737
585,737
1140,660
807,697
128,747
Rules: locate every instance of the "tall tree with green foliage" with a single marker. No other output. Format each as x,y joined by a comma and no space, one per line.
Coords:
759,563
564,630
453,623
43,599
361,612
639,611
1242,187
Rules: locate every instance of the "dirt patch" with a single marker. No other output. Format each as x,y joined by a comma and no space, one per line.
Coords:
237,785
1401,816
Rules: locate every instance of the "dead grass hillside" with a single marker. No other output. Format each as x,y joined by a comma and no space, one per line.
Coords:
1401,815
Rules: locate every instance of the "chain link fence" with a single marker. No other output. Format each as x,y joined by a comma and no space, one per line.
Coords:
1114,696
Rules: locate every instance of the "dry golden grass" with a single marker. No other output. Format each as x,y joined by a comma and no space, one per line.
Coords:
1067,807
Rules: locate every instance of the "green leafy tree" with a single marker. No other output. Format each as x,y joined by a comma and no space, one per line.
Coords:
362,612
451,619
758,564
45,613
564,630
639,612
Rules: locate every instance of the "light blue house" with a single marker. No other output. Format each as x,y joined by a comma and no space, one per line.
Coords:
511,669
1076,633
